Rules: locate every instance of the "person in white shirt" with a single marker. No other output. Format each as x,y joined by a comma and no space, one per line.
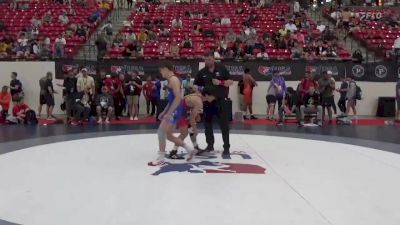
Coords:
59,45
291,26
321,27
85,82
262,54
296,7
63,18
396,48
225,21
22,40
177,22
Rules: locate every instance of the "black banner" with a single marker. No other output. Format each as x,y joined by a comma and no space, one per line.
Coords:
260,69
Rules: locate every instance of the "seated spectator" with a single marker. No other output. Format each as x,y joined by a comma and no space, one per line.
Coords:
142,37
174,49
131,49
95,17
208,33
187,42
297,51
299,37
262,54
357,56
35,21
71,11
162,6
328,35
230,36
118,40
320,49
147,24
130,37
2,26
197,29
104,104
19,111
177,22
290,26
159,23
81,106
63,18
164,32
4,48
226,20
291,105
152,36
312,105
71,30
321,27
5,100
59,45
282,32
216,20
239,11
80,31
250,31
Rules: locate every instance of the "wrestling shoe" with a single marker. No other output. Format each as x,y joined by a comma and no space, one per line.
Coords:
173,154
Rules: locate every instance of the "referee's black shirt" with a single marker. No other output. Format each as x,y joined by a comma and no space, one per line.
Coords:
204,79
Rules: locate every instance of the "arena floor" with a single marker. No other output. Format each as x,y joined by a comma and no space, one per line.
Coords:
335,175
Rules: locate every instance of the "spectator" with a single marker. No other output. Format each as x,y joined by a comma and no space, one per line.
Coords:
95,17
130,37
297,52
230,36
152,36
275,93
47,18
81,107
262,54
71,11
142,37
239,11
19,111
69,91
396,48
306,84
59,45
174,49
226,20
42,99
104,104
101,45
49,95
326,87
2,26
398,100
23,41
131,49
63,18
35,21
187,42
321,27
312,105
118,40
291,104
177,22
3,49
16,88
290,26
296,7
117,92
80,31
351,97
159,23
5,99
342,99
299,37
197,29
149,94
85,82
108,29
164,32
133,87
216,20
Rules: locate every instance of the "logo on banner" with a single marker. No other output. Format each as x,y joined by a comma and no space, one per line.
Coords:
269,70
358,71
235,70
182,69
381,71
67,67
211,163
320,69
125,68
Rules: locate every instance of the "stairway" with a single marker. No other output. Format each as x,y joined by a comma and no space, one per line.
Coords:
350,44
88,50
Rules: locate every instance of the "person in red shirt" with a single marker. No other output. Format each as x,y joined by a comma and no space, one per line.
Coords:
5,99
307,83
149,91
19,111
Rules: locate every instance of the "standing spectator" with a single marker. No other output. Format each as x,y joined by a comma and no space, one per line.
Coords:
291,104
398,100
312,104
69,91
49,95
275,93
149,94
42,100
134,87
342,99
177,22
104,103
5,99
85,82
118,94
351,97
59,45
326,87
101,45
16,88
63,18
248,84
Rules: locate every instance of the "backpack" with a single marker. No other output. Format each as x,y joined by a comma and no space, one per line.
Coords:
30,118
358,92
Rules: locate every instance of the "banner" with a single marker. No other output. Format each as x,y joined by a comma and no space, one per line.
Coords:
261,70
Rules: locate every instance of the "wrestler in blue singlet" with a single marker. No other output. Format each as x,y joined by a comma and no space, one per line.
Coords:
178,113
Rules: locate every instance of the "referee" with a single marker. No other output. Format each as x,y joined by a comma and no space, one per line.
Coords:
216,78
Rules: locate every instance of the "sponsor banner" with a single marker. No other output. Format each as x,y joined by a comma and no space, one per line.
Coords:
260,69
